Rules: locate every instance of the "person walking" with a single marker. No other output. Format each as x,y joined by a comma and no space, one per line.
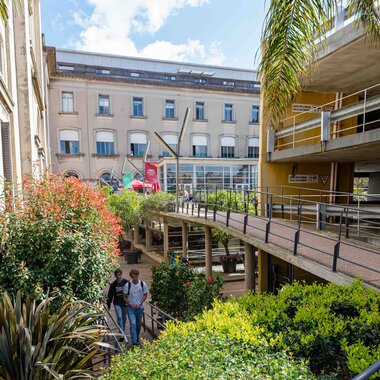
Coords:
115,296
135,293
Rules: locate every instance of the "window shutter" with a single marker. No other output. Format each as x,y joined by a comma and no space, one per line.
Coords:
227,141
200,140
253,141
68,135
170,139
138,138
104,137
7,154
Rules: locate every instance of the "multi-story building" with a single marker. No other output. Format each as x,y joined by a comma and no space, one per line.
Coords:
23,140
104,110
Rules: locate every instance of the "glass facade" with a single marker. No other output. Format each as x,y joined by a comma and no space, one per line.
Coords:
196,177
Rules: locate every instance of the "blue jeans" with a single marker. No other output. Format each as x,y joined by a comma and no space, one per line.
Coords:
135,316
121,314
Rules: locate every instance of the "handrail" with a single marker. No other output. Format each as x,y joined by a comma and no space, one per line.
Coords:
160,320
371,370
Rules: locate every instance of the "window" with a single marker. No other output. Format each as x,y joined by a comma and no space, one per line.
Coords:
137,107
104,105
138,144
168,77
65,68
199,146
102,71
255,114
172,141
136,75
169,109
71,173
200,80
253,147
228,110
69,141
228,83
105,144
67,102
199,110
227,147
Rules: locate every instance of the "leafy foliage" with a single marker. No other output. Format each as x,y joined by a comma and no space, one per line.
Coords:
180,292
336,328
159,201
58,237
127,207
223,200
220,344
289,35
36,344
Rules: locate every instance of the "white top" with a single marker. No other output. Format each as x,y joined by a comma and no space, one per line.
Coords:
136,292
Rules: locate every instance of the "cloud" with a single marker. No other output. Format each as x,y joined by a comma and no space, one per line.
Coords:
110,28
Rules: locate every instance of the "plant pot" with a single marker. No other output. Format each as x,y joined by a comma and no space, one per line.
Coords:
229,266
132,256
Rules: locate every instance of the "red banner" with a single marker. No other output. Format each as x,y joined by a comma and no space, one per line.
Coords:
151,175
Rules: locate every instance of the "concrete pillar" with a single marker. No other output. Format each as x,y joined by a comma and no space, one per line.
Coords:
263,266
148,238
249,265
184,239
208,251
166,241
136,234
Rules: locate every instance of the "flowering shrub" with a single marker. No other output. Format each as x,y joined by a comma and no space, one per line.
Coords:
57,237
180,292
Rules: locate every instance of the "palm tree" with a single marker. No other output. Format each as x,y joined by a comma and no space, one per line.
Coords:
289,44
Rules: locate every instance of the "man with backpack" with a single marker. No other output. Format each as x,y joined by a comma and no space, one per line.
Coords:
115,294
135,293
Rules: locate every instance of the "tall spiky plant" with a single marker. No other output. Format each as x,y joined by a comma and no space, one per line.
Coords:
36,344
289,44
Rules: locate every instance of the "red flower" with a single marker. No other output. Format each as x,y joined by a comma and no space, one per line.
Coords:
188,283
209,280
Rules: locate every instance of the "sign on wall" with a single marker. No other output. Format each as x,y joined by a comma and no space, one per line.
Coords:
312,108
303,178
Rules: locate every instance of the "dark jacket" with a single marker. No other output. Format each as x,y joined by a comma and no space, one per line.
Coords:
115,293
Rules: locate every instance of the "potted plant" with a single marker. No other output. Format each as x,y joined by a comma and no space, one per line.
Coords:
228,260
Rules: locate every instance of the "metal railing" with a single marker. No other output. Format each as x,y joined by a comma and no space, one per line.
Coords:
157,317
371,370
342,221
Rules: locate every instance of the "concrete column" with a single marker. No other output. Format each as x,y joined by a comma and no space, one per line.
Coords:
184,239
208,251
249,265
148,238
263,266
166,241
136,234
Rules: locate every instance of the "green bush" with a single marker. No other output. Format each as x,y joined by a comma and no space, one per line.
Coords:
126,206
180,292
156,202
59,237
40,345
220,344
223,199
335,328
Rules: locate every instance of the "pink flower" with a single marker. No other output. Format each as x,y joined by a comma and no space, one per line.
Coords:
188,283
209,280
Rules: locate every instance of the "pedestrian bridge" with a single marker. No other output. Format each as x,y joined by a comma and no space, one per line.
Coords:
319,238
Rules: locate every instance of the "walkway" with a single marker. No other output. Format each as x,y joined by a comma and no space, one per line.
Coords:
308,249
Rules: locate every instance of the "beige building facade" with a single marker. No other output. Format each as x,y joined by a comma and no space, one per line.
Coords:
23,141
104,111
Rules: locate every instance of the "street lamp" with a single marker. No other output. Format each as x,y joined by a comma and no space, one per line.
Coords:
177,154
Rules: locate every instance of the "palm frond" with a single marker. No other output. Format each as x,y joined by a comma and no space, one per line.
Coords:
367,13
4,14
289,33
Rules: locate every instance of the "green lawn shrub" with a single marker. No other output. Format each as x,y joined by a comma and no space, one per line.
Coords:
222,199
221,343
156,202
335,328
182,293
